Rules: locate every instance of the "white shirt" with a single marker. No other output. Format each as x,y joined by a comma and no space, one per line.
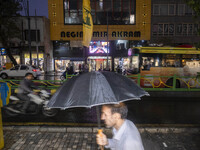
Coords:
126,138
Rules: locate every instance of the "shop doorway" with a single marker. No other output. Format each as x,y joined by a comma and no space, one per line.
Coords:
97,63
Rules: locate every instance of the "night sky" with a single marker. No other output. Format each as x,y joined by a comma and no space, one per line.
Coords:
41,7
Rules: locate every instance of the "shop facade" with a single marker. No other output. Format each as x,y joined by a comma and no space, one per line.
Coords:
118,26
40,47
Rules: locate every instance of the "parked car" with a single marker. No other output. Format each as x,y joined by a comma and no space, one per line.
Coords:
20,71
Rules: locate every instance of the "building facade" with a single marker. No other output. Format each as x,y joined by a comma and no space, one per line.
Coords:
118,25
173,23
41,47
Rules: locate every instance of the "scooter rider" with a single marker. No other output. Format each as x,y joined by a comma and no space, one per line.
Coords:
26,87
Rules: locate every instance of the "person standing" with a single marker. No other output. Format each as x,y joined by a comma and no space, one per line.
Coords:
125,134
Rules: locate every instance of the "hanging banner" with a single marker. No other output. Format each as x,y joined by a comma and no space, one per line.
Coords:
87,23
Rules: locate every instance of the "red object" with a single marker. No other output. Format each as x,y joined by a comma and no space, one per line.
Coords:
34,70
99,59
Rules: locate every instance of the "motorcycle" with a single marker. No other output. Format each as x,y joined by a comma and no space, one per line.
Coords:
63,76
38,104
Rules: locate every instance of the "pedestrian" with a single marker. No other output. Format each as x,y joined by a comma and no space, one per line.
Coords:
86,68
125,134
71,70
79,67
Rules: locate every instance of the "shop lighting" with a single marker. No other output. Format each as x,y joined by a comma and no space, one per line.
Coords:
119,41
101,4
98,57
132,19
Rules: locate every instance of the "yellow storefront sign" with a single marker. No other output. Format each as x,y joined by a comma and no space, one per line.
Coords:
139,31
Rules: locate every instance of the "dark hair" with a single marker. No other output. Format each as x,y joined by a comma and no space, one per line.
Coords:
28,74
120,108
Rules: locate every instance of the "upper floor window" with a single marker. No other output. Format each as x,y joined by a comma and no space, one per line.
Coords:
118,11
164,9
188,10
181,9
170,9
33,35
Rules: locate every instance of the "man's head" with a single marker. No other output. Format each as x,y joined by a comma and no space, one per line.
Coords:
29,76
112,114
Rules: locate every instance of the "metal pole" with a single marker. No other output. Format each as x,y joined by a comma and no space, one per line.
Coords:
98,117
99,124
36,39
107,43
22,44
29,33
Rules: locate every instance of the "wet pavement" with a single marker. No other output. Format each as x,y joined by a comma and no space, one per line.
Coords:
150,110
50,76
62,138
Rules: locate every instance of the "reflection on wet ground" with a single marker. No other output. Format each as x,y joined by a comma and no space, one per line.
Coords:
146,111
50,76
72,115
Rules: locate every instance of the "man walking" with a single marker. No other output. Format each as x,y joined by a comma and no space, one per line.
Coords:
125,134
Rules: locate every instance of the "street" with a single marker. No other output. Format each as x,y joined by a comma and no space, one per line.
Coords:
149,110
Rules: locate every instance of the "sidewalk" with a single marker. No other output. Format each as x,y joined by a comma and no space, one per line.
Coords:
68,138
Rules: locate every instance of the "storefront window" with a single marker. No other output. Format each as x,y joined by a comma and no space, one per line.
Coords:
34,59
17,58
122,64
119,11
62,65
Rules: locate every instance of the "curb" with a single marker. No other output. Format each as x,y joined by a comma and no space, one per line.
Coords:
163,130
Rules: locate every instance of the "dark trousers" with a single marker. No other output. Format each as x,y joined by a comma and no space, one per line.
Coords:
25,98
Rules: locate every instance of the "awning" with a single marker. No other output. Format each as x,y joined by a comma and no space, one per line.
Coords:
168,50
70,58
